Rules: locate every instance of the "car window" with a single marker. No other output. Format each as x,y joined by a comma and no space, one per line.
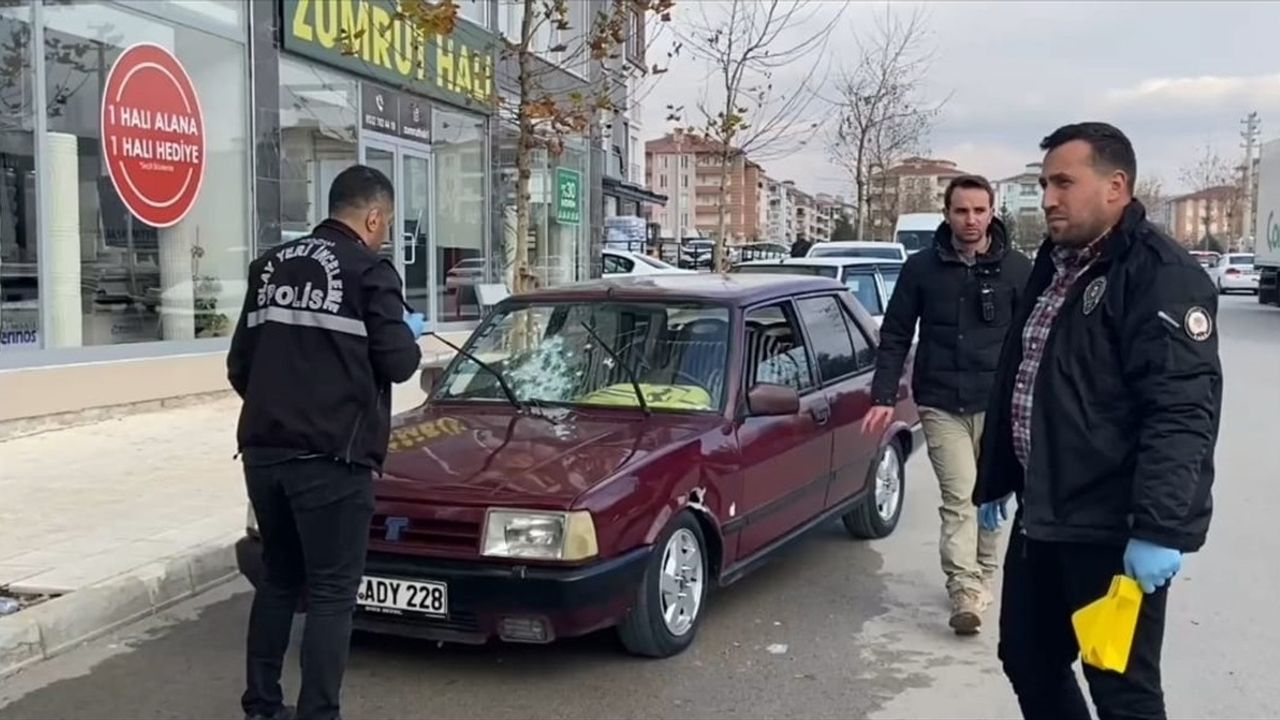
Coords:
824,319
862,283
819,270
863,351
1241,259
890,277
614,264
775,350
889,253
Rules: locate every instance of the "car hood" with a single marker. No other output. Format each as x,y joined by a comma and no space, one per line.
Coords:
489,455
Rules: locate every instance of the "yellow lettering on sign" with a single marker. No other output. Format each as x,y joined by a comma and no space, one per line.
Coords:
444,62
464,71
355,27
300,27
420,56
326,22
382,43
404,48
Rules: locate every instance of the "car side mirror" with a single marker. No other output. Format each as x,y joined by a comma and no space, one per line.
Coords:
768,400
429,377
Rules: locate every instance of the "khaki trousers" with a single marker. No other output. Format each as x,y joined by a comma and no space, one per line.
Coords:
968,553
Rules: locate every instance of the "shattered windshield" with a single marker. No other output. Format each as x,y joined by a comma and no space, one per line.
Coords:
677,352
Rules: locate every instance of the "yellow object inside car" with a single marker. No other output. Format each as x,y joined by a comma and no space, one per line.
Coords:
667,397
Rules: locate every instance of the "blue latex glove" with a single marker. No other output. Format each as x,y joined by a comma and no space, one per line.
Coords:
417,323
991,514
1150,564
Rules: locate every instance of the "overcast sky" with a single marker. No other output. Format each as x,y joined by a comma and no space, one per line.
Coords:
1173,75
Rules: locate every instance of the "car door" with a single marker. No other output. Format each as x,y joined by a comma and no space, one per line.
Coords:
846,364
786,461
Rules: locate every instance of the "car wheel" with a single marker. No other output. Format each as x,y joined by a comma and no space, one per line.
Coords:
672,594
878,513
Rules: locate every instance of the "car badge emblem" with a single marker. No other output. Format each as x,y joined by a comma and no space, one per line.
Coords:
394,527
1093,294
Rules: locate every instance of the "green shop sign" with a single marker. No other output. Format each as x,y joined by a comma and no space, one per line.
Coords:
568,196
368,38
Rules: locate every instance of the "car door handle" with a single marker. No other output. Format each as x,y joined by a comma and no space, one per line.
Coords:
821,414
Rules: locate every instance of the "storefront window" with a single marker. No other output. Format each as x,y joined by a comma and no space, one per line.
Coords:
114,278
458,143
19,275
317,141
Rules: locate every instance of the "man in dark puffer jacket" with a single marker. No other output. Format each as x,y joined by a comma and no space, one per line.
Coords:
962,291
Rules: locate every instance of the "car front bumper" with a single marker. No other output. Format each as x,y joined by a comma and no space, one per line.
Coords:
514,603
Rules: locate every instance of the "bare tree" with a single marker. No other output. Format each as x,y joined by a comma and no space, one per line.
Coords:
544,112
1210,172
882,116
1150,192
750,115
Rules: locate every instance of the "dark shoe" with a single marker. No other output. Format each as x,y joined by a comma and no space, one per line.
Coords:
286,712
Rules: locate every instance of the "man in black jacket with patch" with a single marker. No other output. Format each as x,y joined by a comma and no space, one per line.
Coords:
963,291
1103,422
323,335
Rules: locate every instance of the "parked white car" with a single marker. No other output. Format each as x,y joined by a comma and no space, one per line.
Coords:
871,280
625,262
855,249
1234,272
916,230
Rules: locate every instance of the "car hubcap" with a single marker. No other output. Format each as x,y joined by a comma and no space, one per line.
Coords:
681,579
888,485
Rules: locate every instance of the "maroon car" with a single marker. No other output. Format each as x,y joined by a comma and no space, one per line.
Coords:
604,454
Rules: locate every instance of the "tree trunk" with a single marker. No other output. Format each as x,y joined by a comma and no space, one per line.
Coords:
524,159
860,180
720,252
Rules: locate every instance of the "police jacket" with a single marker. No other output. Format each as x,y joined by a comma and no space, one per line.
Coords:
320,341
1126,400
964,312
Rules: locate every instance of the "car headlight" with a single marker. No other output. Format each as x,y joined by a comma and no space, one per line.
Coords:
251,522
539,535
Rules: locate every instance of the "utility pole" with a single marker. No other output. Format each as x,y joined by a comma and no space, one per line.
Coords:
1252,130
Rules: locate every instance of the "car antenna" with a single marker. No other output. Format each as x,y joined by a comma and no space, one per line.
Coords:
631,373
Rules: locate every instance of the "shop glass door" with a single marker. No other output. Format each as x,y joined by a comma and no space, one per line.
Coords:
409,245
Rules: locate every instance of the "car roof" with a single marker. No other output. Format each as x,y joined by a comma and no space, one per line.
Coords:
736,289
826,261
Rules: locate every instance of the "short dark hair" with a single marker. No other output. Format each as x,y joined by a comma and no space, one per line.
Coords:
357,187
1111,148
971,182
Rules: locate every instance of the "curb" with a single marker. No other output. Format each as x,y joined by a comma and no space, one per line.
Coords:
53,627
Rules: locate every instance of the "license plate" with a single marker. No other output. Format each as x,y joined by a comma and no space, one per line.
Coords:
392,596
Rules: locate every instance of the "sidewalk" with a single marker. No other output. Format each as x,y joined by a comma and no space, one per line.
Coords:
154,497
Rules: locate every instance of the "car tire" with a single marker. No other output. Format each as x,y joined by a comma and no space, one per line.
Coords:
877,515
645,630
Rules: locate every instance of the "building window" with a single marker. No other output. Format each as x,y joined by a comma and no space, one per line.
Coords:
116,279
636,36
477,11
684,162
684,181
317,141
19,254
458,143
562,47
662,181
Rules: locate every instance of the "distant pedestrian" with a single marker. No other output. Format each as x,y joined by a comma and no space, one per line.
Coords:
1103,422
323,335
962,290
800,248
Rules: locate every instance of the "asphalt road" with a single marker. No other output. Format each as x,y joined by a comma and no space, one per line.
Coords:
864,625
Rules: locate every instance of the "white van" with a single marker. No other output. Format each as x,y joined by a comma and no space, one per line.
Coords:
915,230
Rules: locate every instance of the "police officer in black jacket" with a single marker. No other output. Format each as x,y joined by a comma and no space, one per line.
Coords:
323,335
962,290
1103,422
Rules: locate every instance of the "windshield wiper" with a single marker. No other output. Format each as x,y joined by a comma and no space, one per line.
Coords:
631,374
506,389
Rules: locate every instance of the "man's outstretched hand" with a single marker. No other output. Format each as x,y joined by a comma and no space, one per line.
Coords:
877,419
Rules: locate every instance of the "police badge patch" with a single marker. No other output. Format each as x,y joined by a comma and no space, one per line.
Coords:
1197,324
1093,294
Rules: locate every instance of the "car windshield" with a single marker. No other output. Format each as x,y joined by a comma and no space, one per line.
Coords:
890,275
652,262
547,355
885,253
862,284
819,270
914,240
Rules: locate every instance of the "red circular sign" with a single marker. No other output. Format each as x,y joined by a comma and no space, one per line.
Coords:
153,134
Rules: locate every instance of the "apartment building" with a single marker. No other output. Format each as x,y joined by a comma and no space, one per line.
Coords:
917,184
685,167
1218,212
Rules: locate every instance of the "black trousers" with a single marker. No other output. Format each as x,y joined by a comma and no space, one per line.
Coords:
1043,584
314,516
